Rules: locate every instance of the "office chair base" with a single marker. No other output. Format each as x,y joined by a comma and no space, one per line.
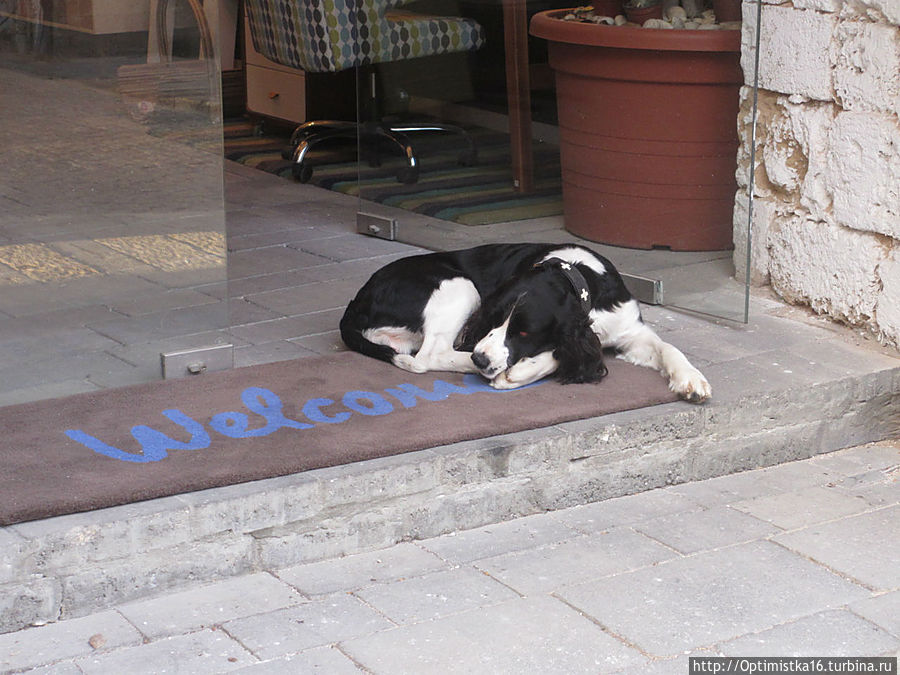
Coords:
372,137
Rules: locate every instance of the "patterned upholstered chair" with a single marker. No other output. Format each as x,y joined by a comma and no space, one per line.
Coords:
334,35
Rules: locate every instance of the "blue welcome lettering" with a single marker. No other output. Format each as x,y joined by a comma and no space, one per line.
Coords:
379,404
154,444
407,393
264,403
312,409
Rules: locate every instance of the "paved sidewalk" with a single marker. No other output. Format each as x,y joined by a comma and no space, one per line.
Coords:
797,559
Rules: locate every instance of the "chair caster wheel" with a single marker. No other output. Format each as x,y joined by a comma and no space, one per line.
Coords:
408,175
301,173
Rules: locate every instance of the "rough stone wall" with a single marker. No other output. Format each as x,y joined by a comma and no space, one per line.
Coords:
826,216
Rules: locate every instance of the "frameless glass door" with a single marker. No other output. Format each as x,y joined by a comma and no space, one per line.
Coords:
581,138
112,247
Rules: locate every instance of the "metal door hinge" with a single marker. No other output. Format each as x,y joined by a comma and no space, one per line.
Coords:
188,362
376,226
646,290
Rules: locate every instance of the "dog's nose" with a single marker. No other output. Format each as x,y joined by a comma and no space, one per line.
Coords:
480,360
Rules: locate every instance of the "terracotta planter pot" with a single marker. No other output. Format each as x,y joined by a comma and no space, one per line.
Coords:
639,15
648,132
607,7
727,10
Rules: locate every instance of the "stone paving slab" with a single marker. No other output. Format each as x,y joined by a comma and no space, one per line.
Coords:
436,595
878,487
711,597
270,352
703,529
310,297
323,621
549,568
794,510
757,484
48,390
173,299
833,632
287,328
527,635
206,652
353,247
66,640
628,510
500,538
277,259
328,342
326,660
864,547
162,325
40,369
883,610
292,233
361,570
211,605
243,311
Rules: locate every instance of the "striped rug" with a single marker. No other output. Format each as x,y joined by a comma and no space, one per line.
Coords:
469,195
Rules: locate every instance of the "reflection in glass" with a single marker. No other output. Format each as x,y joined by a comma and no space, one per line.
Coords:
509,98
112,242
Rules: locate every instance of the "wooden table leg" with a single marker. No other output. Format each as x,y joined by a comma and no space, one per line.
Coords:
222,17
518,93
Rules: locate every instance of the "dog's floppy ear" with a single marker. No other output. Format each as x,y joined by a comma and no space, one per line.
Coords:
475,328
490,314
579,353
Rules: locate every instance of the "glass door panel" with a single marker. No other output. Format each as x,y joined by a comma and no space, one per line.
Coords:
112,238
557,161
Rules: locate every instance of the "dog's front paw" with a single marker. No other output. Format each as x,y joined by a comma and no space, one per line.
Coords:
408,363
502,381
691,385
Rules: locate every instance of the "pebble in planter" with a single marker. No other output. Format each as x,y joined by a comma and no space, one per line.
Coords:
686,16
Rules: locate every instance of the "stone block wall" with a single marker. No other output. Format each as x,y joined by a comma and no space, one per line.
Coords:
826,216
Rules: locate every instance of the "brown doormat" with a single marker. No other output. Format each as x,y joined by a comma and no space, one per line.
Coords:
118,446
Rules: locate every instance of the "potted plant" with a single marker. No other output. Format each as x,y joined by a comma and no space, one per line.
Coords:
648,130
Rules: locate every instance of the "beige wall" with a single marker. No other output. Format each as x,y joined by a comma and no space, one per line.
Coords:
116,16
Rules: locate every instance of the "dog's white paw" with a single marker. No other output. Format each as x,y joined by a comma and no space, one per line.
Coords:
502,381
409,363
690,384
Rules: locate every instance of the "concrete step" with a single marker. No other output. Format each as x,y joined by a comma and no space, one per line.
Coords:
817,396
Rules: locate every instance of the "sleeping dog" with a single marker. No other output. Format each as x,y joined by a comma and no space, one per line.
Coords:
514,313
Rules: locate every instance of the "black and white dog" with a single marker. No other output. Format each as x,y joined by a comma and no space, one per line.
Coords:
514,313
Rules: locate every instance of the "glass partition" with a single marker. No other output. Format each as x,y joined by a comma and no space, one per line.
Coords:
564,128
112,246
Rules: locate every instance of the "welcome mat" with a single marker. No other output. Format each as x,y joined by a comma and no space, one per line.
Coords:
123,445
475,195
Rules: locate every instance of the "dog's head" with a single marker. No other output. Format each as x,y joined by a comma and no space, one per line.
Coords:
538,311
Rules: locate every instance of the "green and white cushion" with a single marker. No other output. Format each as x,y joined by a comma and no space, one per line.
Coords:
333,35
